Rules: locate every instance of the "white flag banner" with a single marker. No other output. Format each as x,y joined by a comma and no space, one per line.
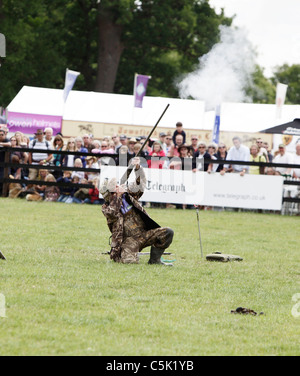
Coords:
71,77
280,98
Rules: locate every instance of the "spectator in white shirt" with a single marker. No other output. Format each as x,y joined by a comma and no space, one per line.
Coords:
238,152
297,162
284,158
38,158
49,135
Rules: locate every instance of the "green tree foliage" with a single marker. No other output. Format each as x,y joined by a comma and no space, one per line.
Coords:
165,41
109,41
261,90
162,39
289,75
33,56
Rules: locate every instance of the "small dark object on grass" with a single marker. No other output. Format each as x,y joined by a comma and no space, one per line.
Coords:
2,256
246,311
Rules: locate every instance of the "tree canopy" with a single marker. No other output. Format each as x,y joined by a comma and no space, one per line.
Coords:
289,75
108,41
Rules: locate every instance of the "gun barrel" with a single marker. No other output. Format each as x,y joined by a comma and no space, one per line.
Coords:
125,177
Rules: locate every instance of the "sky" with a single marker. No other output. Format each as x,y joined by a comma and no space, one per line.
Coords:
273,28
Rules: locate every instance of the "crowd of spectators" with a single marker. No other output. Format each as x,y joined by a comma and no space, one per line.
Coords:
119,149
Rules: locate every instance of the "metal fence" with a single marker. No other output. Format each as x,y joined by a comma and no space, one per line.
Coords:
7,164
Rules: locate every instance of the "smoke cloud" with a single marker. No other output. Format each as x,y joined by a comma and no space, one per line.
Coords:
224,72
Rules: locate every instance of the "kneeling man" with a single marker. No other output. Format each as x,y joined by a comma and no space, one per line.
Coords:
131,227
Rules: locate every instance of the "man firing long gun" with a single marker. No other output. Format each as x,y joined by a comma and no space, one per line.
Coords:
131,227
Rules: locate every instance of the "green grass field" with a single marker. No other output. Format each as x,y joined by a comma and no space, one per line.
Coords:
63,297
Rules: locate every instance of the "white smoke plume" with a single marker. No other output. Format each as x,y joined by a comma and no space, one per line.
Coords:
224,72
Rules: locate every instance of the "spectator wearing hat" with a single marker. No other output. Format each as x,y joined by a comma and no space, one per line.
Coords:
179,131
185,152
123,140
38,158
92,162
131,144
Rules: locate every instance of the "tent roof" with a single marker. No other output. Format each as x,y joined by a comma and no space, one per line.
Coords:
119,109
38,101
108,108
291,128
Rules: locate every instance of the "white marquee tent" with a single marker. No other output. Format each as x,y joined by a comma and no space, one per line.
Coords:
119,109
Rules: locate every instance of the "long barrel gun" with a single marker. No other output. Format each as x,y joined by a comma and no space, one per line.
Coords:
130,168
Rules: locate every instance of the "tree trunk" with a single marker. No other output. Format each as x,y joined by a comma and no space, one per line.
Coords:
110,48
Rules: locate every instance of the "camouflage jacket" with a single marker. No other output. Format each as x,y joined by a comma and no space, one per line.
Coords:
115,218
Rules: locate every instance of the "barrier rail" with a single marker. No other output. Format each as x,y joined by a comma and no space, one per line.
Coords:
7,164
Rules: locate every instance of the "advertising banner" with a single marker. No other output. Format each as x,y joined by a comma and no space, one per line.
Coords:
247,192
201,188
30,123
169,186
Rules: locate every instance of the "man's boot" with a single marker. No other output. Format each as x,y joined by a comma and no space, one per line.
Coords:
155,257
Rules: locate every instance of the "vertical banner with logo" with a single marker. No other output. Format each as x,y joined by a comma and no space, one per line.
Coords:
140,88
280,98
216,131
71,77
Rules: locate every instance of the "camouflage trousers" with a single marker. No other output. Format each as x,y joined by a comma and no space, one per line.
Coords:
131,246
